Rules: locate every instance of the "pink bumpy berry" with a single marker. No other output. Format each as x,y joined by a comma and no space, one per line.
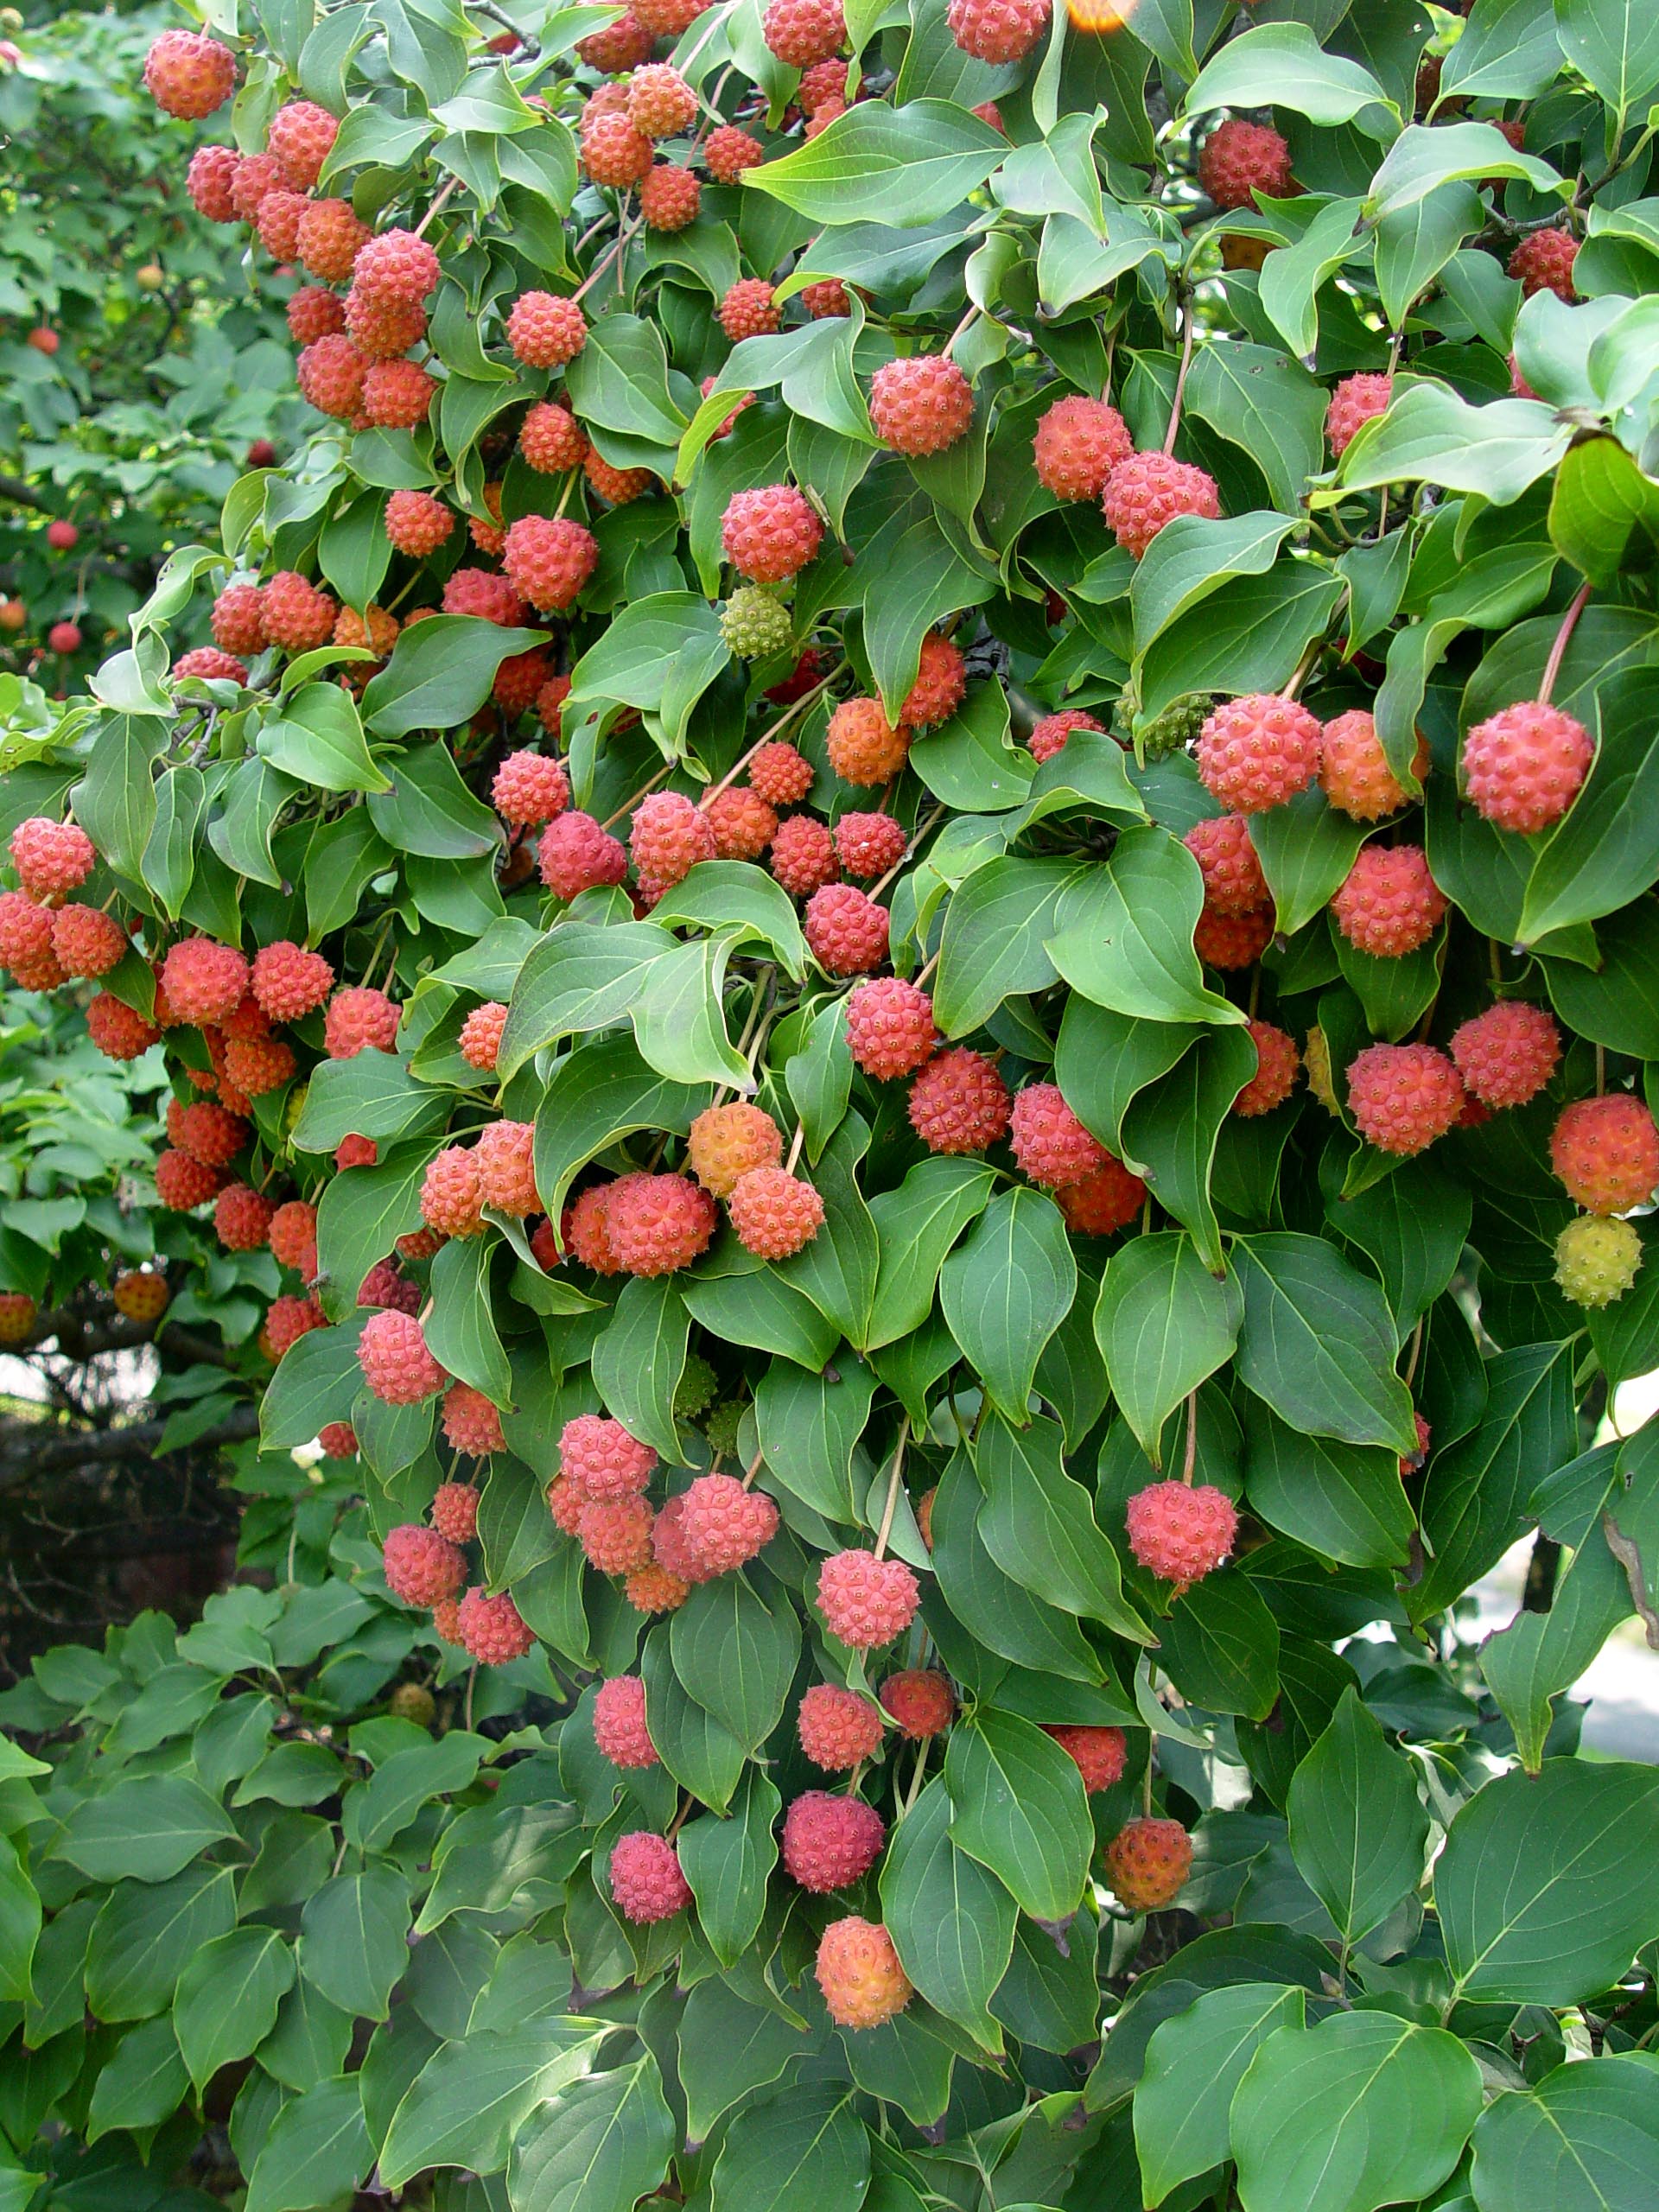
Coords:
548,561
189,74
1258,752
1148,1863
421,1565
646,1882
837,1727
1050,732
1233,881
1079,443
656,1224
998,31
619,1727
1523,766
601,1458
1507,1055
774,1214
890,1027
544,331
857,1967
1181,1532
1099,1753
781,775
1354,770
471,1423
1276,1063
1606,1153
769,535
577,855
396,1366
1388,903
1403,1097
1150,489
802,32
670,834
846,930
958,1102
360,1021
1356,401
52,858
921,1702
289,981
867,1601
723,1525
454,1512
493,1629
830,1841
1241,159
1543,262
920,404
1050,1143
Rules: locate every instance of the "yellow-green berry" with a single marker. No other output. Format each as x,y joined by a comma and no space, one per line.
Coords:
753,624
1597,1260
413,1701
1174,729
695,1389
720,1428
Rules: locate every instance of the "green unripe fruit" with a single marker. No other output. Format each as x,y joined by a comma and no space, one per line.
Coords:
695,1389
150,277
1174,729
413,1701
753,625
720,1428
1597,1260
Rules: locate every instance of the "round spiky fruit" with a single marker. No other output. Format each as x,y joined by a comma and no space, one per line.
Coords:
869,845
417,524
646,1882
384,1285
867,1601
1543,262
142,1295
660,102
1605,1151
941,683
183,1183
298,617
209,181
450,1199
724,1526
454,1512
1507,1055
920,404
1079,443
550,439
749,310
189,74
728,151
209,662
781,775
754,624
728,1141
301,135
1597,1260
575,855
205,1131
669,198
769,534
293,1236
1388,903
619,1727
1241,159
773,1213
1181,1532
612,151
118,1031
1099,1753
239,618
204,981
619,45
1356,401
329,238
491,1630
1523,768
1150,489
548,559
846,930
1050,1143
1233,881
802,32
863,746
830,1841
413,1701
398,269
921,1702
1258,751
396,1366
958,1102
671,835
1354,770
614,1533
1404,1097
603,1461
1050,732
87,942
742,822
694,1391
421,1565
890,1027
837,1728
544,331
1148,1863
289,981
1276,1063
471,1423
479,592
506,1168
857,1969
480,1035
1175,728
803,856
1104,1202
656,1224
998,31
1233,941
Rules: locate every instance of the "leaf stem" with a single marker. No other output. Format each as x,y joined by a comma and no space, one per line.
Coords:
892,1505
1190,1465
1185,312
1563,639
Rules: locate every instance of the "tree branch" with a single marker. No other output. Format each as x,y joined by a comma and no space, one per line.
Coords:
29,1449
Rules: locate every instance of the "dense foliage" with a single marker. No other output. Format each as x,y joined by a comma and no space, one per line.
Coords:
913,884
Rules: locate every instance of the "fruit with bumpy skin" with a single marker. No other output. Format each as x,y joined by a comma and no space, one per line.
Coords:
846,930
255,1066
694,1391
1148,1863
397,395
118,1031
385,1285
301,135
744,825
837,1728
1233,881
446,1617
1543,262
1507,1055
480,1035
1233,941
360,1019
870,844
1181,1531
653,1590
802,857
1259,751
1597,1260
614,1533
421,1565
417,524
1354,772
289,981
863,746
1605,1152
802,32
769,534
1048,1142
920,1700
471,1423
1523,768
329,239
398,269
26,946
1150,489
613,151
920,404
619,1727
454,1508
298,617
1240,159
506,1168
773,1213
544,331
753,624
727,1141
209,181
293,1236
656,1224
313,313
826,298
182,1184
1404,1097
724,1526
87,942
1079,443
1103,1203
491,1630
451,1201
867,1601
830,1841
728,151
204,980
258,175
660,102
549,560
1356,401
998,31
413,1701
189,74
490,598
958,1102
63,639
890,1028
287,1320
749,309
551,440
646,1882
1050,732
781,775
669,198
356,1152
619,45
1098,1753
1388,903
577,855
396,1366
208,662
602,1459
941,683
338,1439
205,1131
1276,1063
239,618
671,835
857,1967
142,1295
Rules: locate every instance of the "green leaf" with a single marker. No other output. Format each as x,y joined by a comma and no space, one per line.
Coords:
581,976
147,1933
142,2084
1432,435
1049,1996
1583,2139
1600,501
1420,158
736,895
836,1269
370,1095
1171,1129
1357,1832
1164,1325
1283,64
1508,49
317,738
1219,1645
602,2146
403,1784
440,673
1346,1501
428,809
1016,1808
728,2049
352,1939
1123,933
993,943
1538,1656
227,1999
727,1862
317,2151
1549,1884
1005,1289
1614,43
468,2103
1194,557
808,1425
951,1922
597,1094
660,655
638,1360
917,1224
1319,1344
701,1753
1605,853
144,1828
1039,1526
1195,2061
802,2146
995,1610
1363,2110
1413,1224
679,1018
904,166
460,1331
735,1655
